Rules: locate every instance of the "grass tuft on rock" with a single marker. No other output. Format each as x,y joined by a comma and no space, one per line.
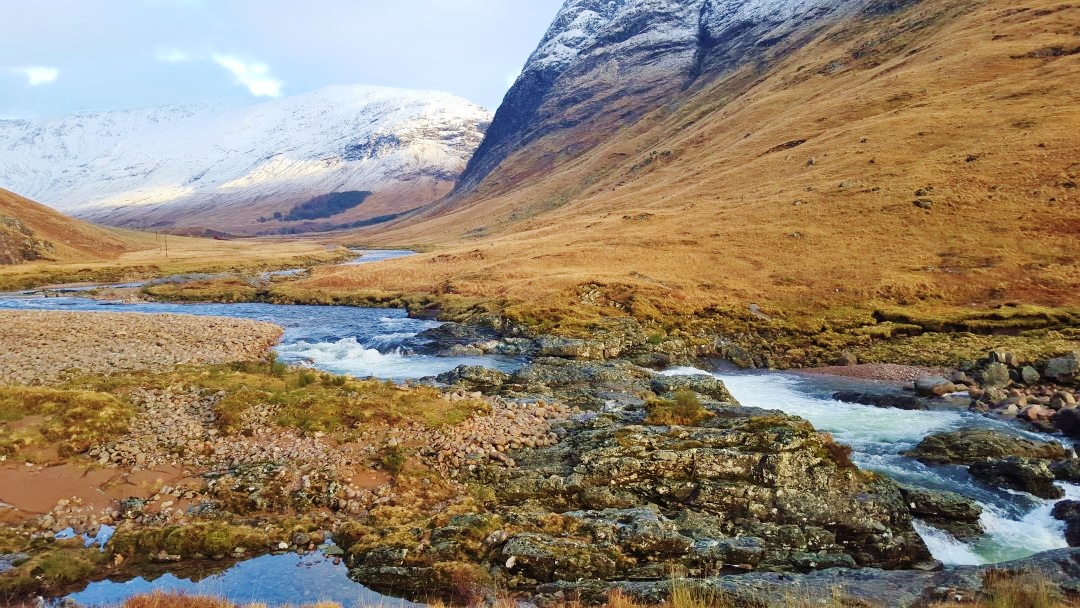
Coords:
684,410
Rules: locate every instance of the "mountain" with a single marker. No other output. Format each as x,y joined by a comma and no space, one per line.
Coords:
30,231
803,154
223,167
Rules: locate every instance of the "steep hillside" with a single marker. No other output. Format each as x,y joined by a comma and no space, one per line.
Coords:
224,167
29,231
803,155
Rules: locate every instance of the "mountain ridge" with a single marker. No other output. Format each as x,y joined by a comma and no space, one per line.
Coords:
223,166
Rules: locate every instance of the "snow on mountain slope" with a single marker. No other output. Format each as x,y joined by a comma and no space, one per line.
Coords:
225,166
605,63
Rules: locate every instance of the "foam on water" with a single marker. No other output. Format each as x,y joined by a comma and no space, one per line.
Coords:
1017,524
946,548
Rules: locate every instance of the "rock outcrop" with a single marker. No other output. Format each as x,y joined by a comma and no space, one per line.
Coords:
616,499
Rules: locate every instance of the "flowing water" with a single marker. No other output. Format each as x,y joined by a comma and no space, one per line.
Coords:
1017,524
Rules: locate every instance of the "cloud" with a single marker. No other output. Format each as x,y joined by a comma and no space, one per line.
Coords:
173,56
36,75
255,76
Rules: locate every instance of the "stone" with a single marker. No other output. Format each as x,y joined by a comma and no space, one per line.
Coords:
475,378
1029,475
1063,369
949,511
903,402
934,386
967,446
708,387
1068,422
1030,375
996,375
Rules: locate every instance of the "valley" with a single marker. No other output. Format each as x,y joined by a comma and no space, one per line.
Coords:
730,304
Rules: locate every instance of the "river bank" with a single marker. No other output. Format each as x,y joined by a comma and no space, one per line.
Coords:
455,480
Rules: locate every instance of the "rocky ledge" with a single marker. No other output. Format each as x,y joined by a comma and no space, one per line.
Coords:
41,347
622,497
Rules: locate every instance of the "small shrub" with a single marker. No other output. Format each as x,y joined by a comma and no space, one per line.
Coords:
393,459
685,410
838,452
305,378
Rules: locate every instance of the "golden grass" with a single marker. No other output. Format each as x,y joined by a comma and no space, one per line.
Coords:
944,105
72,420
1016,590
684,410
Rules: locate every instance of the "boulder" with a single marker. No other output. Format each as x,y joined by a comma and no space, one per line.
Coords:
546,559
1068,511
475,378
934,386
1026,474
1063,369
949,511
901,402
1068,422
705,386
1030,375
995,375
967,446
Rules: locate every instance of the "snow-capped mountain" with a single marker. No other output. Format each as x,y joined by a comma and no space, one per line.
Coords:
604,63
224,166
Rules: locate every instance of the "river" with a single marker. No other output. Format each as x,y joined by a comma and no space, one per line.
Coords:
387,344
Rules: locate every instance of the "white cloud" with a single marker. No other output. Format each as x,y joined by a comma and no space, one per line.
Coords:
36,75
173,56
255,76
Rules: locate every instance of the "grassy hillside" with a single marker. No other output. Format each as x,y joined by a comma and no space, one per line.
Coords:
924,158
30,231
39,246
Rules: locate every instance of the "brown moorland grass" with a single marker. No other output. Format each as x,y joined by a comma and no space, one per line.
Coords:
961,107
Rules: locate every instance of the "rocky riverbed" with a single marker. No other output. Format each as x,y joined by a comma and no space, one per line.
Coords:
40,347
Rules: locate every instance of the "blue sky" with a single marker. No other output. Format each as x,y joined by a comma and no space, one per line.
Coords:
63,55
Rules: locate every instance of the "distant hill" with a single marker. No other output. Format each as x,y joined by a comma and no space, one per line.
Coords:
30,231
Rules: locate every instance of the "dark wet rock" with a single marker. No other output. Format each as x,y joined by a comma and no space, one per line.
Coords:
949,511
970,445
1027,474
1067,470
902,402
1068,422
475,378
449,334
863,587
1068,511
706,387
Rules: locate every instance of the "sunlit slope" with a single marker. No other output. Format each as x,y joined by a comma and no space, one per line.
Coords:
30,231
926,154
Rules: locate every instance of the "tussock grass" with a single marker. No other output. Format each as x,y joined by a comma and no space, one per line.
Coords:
299,397
73,420
1003,589
684,410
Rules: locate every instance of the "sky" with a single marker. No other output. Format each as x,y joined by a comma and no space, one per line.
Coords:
63,55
